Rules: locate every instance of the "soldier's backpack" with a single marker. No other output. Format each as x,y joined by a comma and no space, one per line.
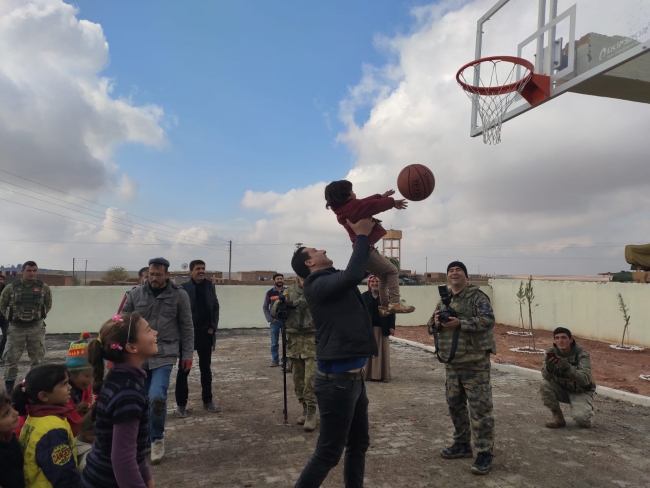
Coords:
29,303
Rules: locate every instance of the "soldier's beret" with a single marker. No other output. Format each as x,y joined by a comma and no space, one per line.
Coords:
162,261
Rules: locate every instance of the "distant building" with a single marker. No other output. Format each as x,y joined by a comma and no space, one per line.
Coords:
391,244
179,277
255,275
435,277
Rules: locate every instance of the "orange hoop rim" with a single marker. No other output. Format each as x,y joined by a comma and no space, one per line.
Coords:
500,89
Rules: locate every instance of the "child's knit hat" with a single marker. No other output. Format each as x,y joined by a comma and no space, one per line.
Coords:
77,359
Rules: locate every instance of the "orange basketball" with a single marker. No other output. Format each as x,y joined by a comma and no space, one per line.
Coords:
416,182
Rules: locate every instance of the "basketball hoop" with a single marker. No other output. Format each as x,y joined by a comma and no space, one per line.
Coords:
495,87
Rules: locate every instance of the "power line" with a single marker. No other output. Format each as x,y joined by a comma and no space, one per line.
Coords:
100,225
94,203
103,215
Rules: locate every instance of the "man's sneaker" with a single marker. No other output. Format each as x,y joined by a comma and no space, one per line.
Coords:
457,451
181,412
483,463
274,364
211,407
400,307
157,451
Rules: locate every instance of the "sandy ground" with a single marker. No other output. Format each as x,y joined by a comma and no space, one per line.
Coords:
612,368
246,444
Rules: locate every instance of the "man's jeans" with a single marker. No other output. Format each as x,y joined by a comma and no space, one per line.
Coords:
182,388
157,384
276,327
343,407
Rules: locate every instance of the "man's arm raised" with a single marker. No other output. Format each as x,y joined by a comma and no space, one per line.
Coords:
336,283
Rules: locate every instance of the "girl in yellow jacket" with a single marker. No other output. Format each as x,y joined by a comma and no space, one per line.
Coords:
46,438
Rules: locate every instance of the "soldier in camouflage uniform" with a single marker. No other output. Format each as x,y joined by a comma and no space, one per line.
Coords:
567,378
301,349
24,303
467,367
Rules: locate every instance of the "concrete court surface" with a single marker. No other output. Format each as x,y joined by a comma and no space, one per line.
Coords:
246,444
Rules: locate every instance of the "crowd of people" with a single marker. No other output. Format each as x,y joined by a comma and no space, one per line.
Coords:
91,421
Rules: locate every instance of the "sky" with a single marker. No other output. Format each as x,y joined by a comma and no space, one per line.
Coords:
130,132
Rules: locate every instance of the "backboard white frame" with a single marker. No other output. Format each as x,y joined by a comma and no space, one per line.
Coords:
545,64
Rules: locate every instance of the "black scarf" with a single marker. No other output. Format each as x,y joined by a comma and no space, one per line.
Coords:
201,312
372,304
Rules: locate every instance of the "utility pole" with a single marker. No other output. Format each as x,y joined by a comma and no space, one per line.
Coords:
72,271
86,274
426,265
229,259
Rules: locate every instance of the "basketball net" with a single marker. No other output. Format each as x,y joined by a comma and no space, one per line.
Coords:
503,87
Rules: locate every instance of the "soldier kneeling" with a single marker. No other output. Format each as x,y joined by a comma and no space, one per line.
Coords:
567,379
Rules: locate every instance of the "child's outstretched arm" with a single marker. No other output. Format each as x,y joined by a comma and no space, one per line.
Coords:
54,455
370,206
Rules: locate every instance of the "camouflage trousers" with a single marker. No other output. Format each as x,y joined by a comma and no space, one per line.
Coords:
31,337
301,349
582,404
471,387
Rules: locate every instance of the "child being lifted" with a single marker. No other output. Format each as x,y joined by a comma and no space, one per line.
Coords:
344,203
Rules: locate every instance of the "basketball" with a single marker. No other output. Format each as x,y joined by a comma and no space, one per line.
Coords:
416,182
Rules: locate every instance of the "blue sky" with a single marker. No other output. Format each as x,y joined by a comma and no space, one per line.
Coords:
250,91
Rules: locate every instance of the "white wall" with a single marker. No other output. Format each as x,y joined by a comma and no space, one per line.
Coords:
424,299
588,309
82,308
86,308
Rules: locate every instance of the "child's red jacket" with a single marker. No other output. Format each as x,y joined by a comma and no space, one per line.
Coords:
355,210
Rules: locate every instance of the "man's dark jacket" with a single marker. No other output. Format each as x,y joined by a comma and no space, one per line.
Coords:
201,327
343,325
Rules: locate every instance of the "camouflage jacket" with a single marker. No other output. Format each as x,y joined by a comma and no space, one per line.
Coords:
576,375
26,305
299,319
476,337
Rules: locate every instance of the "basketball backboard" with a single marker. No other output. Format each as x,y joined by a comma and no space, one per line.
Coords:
593,47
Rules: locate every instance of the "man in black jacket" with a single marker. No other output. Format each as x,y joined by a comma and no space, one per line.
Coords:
344,341
205,317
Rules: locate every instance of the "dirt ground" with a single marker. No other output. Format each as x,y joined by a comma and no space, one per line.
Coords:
612,368
246,444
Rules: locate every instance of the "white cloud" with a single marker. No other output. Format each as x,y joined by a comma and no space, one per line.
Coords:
58,118
567,175
60,125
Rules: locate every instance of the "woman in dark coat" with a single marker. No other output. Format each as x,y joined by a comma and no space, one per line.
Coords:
378,368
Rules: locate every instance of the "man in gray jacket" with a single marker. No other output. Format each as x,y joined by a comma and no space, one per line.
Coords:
166,307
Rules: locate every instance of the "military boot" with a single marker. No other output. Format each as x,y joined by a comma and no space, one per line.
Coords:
557,420
585,424
456,451
301,419
310,419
